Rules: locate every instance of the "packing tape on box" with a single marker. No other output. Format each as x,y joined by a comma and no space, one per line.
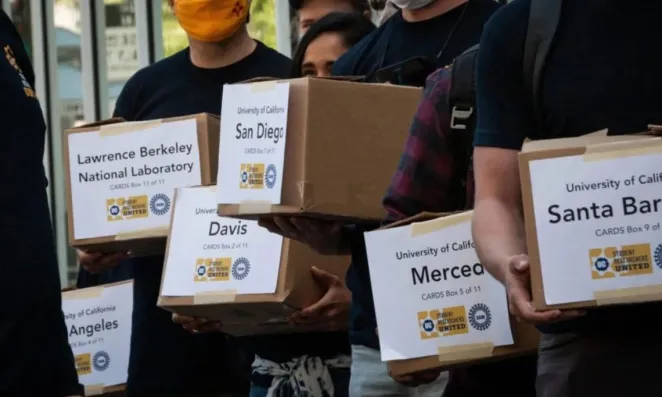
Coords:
255,207
615,150
421,228
95,390
471,351
123,128
262,86
85,293
628,295
211,297
145,233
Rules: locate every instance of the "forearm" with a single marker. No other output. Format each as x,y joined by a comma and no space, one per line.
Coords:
498,231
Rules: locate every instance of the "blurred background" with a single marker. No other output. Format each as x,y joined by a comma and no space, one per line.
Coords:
78,81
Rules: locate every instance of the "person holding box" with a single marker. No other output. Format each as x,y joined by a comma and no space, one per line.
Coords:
599,74
165,359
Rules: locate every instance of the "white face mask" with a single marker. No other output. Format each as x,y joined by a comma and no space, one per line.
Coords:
411,4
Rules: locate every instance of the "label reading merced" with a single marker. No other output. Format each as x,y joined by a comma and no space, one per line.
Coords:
99,330
252,147
430,291
598,224
124,182
210,253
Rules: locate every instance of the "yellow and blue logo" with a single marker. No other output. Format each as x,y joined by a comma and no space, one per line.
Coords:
628,260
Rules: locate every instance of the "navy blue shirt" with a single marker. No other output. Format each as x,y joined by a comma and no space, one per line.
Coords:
601,73
165,357
395,41
33,335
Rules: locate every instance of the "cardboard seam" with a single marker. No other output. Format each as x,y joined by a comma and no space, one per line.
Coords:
255,207
422,228
470,351
161,231
616,150
95,389
85,293
213,297
628,295
127,127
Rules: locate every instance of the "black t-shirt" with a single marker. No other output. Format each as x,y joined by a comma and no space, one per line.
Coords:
601,72
393,42
398,40
33,336
164,357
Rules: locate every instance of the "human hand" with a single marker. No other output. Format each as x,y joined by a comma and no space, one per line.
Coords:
518,288
97,262
197,324
325,237
331,312
418,378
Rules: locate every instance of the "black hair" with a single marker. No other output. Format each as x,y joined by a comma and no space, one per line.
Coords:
360,6
352,27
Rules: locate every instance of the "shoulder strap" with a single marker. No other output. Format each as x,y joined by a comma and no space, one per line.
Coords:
462,107
543,19
462,95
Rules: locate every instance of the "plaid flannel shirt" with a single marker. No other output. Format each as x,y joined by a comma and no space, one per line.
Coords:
429,177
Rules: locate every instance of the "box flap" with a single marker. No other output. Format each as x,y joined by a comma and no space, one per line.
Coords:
594,138
421,217
86,126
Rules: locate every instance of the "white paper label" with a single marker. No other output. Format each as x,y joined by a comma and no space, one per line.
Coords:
252,149
430,291
99,331
598,224
211,253
124,182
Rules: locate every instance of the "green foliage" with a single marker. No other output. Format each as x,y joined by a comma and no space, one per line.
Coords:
262,26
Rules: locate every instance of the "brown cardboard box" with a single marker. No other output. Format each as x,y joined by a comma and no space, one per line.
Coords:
224,269
592,232
448,311
121,176
343,142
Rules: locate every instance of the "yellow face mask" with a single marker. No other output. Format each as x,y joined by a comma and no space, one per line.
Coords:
211,21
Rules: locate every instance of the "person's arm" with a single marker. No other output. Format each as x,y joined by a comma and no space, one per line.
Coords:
422,181
505,116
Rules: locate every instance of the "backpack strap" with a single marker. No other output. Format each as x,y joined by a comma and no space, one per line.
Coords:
462,95
544,17
462,106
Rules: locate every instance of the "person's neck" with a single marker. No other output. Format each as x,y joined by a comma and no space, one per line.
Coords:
432,11
218,55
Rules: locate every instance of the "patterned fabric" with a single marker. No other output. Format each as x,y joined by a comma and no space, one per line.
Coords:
304,376
434,170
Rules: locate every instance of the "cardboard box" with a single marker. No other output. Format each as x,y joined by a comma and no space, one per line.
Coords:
448,310
121,177
591,206
98,321
320,147
235,271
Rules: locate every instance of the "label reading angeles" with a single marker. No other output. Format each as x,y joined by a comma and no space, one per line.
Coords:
124,182
210,253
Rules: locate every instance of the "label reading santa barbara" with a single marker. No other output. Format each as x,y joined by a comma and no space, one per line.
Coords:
448,297
598,224
252,147
124,182
99,330
211,253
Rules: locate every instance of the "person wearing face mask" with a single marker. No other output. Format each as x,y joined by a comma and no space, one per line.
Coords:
166,360
423,35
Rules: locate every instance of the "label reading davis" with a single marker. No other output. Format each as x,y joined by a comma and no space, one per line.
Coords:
211,253
597,224
444,292
99,330
252,148
122,183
